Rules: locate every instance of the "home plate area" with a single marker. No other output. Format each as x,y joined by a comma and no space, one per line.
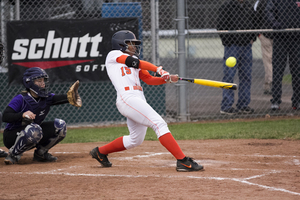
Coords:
234,169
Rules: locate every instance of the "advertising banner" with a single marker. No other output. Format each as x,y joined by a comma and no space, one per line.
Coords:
68,50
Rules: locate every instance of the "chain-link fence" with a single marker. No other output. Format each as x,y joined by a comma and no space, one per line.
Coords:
203,57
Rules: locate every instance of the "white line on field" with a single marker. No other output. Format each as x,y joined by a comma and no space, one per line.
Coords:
265,174
65,152
251,155
154,154
241,180
141,156
296,162
244,180
57,170
150,154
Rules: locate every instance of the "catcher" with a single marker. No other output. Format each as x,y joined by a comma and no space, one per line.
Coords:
25,114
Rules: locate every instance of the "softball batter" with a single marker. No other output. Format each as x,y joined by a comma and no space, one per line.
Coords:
125,71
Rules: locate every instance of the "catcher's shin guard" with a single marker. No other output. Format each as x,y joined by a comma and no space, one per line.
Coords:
60,132
27,139
60,127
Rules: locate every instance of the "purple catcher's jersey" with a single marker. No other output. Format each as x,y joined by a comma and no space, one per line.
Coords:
25,102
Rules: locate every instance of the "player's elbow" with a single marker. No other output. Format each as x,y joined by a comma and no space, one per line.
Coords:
132,62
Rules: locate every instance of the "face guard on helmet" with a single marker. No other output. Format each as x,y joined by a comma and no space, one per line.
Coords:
30,76
121,39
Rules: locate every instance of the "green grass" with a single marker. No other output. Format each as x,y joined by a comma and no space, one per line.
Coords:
279,129
260,129
287,79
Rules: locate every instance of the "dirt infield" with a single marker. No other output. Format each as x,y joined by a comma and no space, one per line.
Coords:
234,169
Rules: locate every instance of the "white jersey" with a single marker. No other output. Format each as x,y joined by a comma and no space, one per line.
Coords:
131,101
122,77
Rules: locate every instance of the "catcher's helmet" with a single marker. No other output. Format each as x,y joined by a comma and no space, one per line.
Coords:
120,38
28,81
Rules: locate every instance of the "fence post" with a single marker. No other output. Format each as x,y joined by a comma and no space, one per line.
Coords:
183,116
17,8
154,32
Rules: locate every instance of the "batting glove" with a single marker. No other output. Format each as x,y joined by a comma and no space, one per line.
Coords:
164,74
173,78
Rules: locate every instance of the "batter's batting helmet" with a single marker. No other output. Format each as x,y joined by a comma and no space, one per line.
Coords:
120,38
28,81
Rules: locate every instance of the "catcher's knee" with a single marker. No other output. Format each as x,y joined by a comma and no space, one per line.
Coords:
27,139
33,132
60,127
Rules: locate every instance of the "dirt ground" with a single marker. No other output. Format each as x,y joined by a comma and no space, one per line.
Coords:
234,169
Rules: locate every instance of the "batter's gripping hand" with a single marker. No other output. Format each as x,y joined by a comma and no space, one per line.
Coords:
164,74
173,78
73,95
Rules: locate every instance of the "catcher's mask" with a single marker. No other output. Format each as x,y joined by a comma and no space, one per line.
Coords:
121,39
32,74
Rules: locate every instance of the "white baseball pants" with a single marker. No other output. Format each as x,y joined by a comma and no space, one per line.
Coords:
140,115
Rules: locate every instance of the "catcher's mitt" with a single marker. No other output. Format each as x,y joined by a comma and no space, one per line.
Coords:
73,95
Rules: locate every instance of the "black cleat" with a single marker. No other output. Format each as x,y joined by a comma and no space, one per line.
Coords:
187,165
12,159
3,153
101,158
46,157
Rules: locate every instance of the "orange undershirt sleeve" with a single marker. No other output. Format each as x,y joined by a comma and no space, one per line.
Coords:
122,59
144,74
147,66
150,80
143,64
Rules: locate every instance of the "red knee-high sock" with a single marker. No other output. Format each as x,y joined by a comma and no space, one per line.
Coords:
114,146
171,145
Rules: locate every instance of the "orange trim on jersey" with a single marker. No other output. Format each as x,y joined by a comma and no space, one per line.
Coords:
135,87
150,80
143,64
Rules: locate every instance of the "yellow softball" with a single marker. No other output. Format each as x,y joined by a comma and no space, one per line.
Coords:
231,62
